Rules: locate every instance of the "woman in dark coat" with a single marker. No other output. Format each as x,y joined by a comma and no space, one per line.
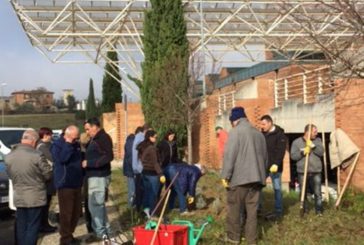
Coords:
168,149
152,172
44,145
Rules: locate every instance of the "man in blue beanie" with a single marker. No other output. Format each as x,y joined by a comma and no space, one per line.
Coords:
243,175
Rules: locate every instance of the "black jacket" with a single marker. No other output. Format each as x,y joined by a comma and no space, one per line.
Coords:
276,146
128,156
168,152
99,154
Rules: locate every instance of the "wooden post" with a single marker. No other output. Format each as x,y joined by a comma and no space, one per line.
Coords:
327,196
347,181
303,187
160,218
338,181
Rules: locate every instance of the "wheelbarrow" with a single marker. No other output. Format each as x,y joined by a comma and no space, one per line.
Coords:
194,234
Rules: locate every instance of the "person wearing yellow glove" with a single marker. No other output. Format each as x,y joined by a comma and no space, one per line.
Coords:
309,146
190,200
185,185
273,169
162,179
245,168
276,146
225,183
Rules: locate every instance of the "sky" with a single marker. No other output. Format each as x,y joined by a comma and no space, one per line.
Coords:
23,67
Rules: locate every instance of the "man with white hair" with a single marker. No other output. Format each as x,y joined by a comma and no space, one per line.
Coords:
29,170
68,178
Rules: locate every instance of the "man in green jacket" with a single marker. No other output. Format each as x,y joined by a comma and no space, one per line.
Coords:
243,175
29,170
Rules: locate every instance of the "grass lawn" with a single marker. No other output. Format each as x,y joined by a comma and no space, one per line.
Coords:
52,120
345,226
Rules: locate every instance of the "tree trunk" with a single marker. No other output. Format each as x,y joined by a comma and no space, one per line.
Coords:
189,143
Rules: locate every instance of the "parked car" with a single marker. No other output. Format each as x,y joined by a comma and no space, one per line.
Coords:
8,138
4,185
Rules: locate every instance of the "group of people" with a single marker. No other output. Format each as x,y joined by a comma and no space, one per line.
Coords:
149,166
252,155
38,168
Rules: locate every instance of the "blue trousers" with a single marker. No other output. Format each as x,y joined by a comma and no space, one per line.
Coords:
97,187
131,191
151,186
170,172
277,187
27,225
314,183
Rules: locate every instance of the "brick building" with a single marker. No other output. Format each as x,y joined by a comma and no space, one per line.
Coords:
294,94
40,98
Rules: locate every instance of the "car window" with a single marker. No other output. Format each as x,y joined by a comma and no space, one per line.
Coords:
11,137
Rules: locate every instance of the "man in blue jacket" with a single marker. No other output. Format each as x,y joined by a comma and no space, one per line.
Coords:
68,178
185,184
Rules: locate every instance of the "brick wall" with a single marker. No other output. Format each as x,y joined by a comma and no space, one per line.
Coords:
205,142
135,118
109,124
350,117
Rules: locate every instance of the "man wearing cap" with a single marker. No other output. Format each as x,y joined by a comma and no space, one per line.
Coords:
29,171
243,175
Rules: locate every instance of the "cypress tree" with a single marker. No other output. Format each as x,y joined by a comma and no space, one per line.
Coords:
91,110
111,88
165,68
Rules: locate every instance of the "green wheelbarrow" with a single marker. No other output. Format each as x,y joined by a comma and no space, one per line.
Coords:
193,233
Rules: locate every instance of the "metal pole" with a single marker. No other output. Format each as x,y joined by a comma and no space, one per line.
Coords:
203,50
3,103
126,115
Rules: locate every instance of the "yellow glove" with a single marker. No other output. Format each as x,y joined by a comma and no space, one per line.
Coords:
306,150
274,168
190,200
162,179
308,143
225,183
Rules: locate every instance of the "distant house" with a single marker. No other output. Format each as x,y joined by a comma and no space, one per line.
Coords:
40,98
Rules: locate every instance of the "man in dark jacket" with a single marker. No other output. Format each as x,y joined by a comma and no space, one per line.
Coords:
243,175
276,147
29,171
312,146
99,154
68,178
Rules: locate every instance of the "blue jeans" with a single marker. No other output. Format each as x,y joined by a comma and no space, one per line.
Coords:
97,187
170,172
151,189
27,225
277,187
131,191
314,183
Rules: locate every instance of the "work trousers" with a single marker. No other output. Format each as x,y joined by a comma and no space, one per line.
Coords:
70,208
242,199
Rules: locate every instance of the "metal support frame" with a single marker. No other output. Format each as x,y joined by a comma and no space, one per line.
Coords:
83,31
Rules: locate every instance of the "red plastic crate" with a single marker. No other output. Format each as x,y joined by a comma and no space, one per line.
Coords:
167,235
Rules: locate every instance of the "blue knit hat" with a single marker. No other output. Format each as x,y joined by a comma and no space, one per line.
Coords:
237,113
